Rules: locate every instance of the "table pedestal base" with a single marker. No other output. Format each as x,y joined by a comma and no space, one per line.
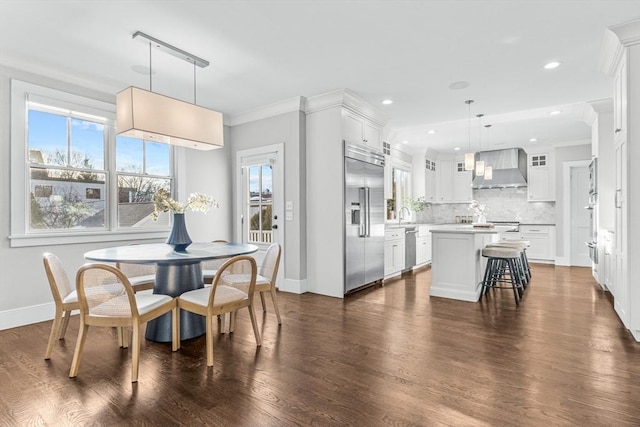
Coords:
174,279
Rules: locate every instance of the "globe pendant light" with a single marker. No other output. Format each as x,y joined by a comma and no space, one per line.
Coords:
480,163
488,170
470,157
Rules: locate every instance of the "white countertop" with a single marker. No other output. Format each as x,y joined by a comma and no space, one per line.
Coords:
469,229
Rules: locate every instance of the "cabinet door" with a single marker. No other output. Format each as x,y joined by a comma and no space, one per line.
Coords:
372,136
393,256
421,250
430,181
620,99
353,128
461,183
445,181
540,246
539,184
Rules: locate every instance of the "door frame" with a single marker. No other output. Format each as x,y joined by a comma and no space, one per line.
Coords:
566,209
278,201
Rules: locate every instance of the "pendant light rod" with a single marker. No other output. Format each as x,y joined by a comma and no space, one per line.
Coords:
171,50
150,71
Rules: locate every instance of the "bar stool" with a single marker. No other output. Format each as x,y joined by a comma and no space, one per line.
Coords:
503,261
522,245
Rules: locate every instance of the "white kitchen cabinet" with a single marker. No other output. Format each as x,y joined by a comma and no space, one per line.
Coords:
540,178
453,183
542,240
430,181
462,192
393,251
423,245
362,131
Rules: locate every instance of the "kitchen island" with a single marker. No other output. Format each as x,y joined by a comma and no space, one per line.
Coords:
457,266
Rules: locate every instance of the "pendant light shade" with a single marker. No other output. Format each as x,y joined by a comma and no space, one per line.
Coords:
488,173
469,157
488,170
153,117
479,164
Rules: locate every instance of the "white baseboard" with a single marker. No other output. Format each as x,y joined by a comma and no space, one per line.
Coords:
564,261
294,286
26,315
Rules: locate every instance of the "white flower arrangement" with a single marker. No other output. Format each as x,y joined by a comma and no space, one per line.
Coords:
197,202
477,208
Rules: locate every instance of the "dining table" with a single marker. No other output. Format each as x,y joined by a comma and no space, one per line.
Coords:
176,273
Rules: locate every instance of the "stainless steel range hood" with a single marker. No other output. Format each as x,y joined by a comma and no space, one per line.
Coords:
509,168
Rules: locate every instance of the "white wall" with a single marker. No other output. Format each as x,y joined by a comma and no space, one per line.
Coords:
24,292
288,129
562,155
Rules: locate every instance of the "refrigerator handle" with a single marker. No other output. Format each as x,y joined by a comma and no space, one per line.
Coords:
368,212
362,232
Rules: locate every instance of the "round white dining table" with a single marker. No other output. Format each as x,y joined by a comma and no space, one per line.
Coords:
176,273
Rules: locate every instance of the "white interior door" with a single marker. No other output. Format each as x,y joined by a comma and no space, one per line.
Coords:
580,217
260,190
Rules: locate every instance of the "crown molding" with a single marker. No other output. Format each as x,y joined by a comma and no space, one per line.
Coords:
592,109
349,100
271,110
616,39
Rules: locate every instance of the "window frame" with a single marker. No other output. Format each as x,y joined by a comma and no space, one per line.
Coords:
21,236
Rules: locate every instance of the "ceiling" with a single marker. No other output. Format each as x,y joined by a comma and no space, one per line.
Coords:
262,52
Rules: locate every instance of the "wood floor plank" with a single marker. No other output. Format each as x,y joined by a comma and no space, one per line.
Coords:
386,356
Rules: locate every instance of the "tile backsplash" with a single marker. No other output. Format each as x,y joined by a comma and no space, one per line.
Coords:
503,204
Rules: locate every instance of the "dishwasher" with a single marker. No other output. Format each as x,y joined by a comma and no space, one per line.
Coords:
410,247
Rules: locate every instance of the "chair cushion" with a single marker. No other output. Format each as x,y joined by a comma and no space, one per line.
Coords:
71,298
148,302
119,306
241,281
224,295
139,280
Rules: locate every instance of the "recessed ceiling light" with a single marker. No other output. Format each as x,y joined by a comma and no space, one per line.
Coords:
457,148
555,112
142,69
533,140
405,142
459,85
552,65
431,132
387,102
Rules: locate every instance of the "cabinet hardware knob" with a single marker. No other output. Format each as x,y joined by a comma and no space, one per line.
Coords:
618,130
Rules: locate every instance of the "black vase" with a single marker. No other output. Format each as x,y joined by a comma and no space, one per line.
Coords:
179,237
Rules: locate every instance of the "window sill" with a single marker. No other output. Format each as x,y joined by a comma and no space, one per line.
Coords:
21,241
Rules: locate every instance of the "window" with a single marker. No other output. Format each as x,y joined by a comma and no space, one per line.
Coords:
79,179
260,203
460,166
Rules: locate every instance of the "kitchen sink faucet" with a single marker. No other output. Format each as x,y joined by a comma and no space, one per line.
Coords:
400,218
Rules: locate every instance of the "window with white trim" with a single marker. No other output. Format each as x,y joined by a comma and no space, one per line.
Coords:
79,178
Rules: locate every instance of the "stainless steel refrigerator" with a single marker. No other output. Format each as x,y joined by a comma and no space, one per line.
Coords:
363,216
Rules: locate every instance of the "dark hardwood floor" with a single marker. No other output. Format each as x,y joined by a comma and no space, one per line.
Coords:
385,356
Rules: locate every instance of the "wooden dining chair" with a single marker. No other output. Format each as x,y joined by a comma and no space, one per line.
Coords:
108,299
141,276
266,279
210,267
220,298
64,297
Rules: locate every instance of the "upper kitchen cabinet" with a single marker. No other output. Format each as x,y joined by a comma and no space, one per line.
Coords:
540,173
430,180
453,184
620,100
360,130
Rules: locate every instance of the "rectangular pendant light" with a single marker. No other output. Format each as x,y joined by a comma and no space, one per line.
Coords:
154,117
480,168
469,161
488,173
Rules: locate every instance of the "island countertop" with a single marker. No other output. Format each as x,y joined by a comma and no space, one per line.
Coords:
470,229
